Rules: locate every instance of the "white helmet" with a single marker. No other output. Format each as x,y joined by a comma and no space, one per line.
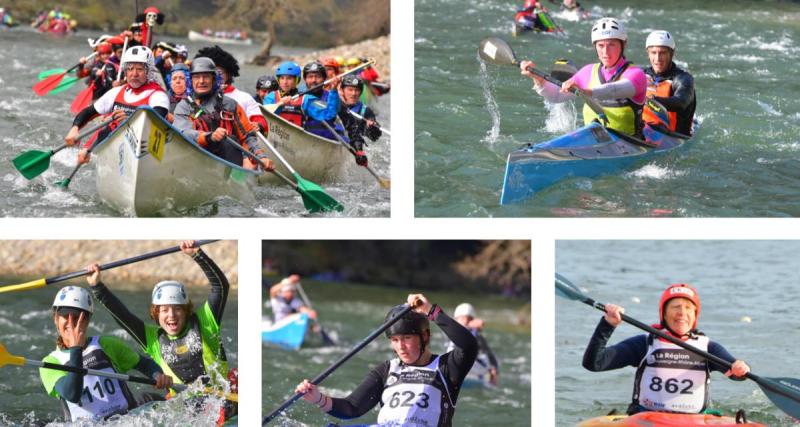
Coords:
660,38
169,292
287,285
464,309
75,297
141,54
608,28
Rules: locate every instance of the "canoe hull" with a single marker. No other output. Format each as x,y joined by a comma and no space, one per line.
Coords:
661,419
589,152
147,168
315,158
289,333
199,37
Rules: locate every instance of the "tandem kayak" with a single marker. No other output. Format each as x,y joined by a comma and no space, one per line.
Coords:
663,419
289,332
589,152
146,167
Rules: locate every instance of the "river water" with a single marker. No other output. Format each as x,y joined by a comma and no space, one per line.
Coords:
350,312
748,297
744,161
26,329
30,122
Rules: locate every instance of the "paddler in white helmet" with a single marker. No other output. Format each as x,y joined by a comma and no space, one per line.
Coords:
284,301
486,362
668,84
89,397
668,377
185,342
416,387
618,85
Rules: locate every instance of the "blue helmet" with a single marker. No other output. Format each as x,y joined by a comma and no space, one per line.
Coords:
287,68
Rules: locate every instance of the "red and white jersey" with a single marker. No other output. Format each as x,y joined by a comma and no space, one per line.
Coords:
244,99
151,96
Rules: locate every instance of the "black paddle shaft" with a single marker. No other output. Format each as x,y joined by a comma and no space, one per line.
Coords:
319,378
84,371
126,261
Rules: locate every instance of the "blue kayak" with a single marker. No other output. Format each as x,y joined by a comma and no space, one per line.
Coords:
289,332
588,152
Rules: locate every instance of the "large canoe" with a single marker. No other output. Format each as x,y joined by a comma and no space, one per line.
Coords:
662,419
199,37
147,168
315,158
590,152
289,332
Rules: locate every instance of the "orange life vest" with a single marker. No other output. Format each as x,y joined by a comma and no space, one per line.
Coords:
662,89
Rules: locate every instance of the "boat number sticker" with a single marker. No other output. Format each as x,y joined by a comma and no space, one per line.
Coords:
158,138
490,49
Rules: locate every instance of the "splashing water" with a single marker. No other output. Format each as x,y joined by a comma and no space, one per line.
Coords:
561,118
491,104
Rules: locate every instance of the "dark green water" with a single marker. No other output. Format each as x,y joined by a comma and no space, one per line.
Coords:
26,329
30,122
748,299
743,163
351,312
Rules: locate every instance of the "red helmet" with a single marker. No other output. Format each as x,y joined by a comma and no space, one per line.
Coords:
679,290
103,48
530,3
152,9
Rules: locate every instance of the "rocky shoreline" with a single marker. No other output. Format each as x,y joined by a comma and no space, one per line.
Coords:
35,259
377,48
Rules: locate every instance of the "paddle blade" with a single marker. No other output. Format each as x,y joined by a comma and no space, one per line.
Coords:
326,339
272,108
565,289
47,73
24,286
563,70
784,393
82,100
32,163
48,84
65,84
497,51
8,359
314,197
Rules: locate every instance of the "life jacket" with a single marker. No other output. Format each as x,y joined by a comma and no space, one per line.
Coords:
662,89
317,128
671,378
623,115
130,107
197,352
416,396
282,308
292,110
101,397
210,121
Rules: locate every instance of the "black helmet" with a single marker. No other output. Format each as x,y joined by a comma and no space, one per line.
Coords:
267,82
412,323
314,67
203,65
352,81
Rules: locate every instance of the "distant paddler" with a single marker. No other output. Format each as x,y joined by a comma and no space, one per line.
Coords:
92,397
357,128
209,117
186,343
284,300
668,84
265,85
417,387
465,315
528,18
668,377
140,89
228,68
618,85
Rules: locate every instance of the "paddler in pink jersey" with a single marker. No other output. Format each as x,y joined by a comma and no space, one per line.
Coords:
618,85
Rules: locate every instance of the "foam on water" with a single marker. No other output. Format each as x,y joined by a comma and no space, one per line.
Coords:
561,118
655,172
491,104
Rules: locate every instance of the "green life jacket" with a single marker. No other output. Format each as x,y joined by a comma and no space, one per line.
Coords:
623,115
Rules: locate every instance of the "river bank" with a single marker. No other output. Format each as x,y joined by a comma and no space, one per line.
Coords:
31,259
379,48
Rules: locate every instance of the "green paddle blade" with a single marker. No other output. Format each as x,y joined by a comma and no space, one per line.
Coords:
47,73
65,84
314,197
32,163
